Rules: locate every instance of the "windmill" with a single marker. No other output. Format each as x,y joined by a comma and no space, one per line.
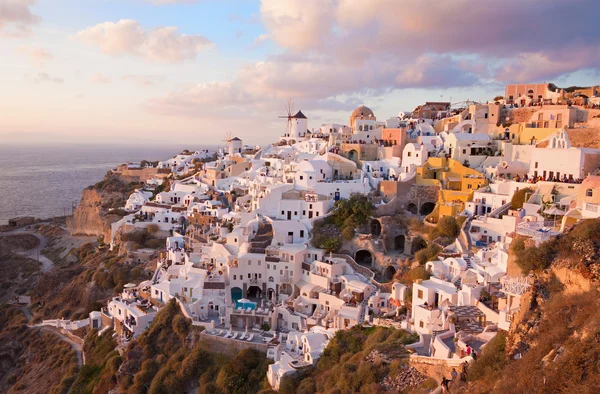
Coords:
289,117
228,136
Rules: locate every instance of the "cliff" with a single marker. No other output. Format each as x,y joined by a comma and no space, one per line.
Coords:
92,216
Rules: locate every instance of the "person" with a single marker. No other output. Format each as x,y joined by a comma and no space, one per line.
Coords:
469,350
474,355
445,383
454,374
463,373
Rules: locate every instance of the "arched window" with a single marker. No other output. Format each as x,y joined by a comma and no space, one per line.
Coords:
589,192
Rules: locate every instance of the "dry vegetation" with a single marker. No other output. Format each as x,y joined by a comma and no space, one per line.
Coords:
344,366
81,282
563,355
32,361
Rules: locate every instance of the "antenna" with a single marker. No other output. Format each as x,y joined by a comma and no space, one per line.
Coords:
289,116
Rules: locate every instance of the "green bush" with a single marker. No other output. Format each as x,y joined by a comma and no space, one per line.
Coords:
518,199
430,253
447,227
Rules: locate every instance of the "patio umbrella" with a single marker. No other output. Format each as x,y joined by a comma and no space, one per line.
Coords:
554,212
243,300
130,285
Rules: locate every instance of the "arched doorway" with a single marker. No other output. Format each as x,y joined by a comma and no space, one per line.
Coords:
270,294
364,257
375,227
254,292
389,272
417,245
353,155
427,208
399,242
236,293
412,208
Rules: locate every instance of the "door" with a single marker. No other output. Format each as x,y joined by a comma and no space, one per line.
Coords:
289,215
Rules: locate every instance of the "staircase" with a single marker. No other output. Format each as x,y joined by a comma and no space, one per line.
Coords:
262,239
458,283
467,259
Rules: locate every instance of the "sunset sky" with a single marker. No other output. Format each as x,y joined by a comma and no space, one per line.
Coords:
149,71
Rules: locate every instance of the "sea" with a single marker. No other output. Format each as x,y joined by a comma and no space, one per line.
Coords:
47,180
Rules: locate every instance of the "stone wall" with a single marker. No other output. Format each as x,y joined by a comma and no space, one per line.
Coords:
230,346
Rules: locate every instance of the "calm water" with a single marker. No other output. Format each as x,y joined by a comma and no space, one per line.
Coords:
43,181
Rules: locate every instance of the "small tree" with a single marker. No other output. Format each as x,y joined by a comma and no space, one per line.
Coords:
518,198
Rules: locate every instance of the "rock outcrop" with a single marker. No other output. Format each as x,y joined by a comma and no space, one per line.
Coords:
93,216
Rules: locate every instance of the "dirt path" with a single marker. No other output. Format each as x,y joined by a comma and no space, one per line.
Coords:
74,345
36,252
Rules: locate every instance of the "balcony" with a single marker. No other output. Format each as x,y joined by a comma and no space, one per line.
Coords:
272,259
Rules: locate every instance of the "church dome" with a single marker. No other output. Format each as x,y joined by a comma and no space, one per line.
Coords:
363,111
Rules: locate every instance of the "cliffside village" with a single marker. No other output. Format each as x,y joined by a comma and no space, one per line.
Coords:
238,258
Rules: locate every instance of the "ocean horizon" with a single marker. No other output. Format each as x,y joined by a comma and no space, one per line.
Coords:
45,180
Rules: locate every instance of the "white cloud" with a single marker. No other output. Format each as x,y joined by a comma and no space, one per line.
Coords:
144,80
127,37
261,39
45,77
37,56
101,78
16,17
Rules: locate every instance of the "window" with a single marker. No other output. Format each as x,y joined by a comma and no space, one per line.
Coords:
249,262
295,213
249,276
234,277
469,186
421,323
420,294
589,193
283,212
485,116
409,154
302,233
309,206
303,213
301,177
464,151
536,164
268,266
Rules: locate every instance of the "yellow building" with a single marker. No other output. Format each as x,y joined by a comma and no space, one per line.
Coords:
457,184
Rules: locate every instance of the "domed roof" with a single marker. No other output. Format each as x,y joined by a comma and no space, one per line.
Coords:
362,111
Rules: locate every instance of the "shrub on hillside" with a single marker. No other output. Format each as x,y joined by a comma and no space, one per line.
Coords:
430,253
518,198
447,227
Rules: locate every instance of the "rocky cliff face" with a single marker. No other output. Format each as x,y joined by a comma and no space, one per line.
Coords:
92,216
89,218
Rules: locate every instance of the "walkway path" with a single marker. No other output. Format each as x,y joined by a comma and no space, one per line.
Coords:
36,252
74,345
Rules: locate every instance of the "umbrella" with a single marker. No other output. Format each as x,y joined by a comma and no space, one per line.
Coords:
243,300
554,211
130,285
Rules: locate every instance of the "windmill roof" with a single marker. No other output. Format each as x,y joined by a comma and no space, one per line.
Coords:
235,139
299,115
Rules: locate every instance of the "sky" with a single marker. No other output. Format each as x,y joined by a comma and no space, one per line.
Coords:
169,71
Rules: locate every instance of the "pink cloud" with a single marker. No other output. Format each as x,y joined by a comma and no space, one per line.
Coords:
128,37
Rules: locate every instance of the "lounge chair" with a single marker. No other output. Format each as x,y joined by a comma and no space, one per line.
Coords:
234,335
250,337
227,334
220,333
242,337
